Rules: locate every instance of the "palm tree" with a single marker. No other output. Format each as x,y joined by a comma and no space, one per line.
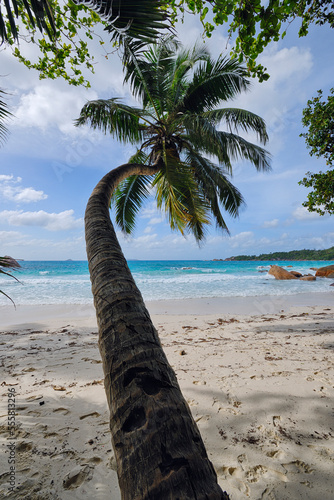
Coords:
158,448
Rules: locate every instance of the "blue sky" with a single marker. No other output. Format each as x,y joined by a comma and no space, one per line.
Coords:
48,167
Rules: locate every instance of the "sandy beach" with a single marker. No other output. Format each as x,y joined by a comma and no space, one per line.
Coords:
257,375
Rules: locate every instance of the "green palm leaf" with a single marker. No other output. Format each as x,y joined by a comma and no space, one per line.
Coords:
198,209
128,199
170,182
203,136
8,263
129,196
143,20
239,148
109,115
4,115
212,83
239,119
38,11
219,191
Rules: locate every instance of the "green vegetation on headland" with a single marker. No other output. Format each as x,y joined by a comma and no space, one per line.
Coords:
327,254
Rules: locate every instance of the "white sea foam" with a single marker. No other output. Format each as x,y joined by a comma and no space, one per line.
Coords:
57,283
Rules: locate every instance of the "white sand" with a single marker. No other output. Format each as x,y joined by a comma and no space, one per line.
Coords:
260,387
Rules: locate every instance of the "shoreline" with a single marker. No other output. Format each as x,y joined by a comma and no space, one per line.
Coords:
39,314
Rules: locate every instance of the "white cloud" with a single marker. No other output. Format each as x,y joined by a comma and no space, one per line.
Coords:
285,64
9,235
276,100
6,177
11,190
301,213
47,105
270,223
155,220
63,221
22,246
243,240
150,211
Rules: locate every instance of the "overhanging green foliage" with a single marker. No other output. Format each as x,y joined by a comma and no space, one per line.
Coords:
318,116
62,31
252,25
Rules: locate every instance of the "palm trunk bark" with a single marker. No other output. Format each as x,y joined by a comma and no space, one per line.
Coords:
158,448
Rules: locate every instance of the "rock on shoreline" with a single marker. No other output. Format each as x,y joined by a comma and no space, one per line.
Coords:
282,274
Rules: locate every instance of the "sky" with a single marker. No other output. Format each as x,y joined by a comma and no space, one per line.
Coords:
48,167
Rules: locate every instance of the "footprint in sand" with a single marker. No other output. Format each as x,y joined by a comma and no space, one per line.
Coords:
202,418
50,434
254,474
24,446
77,476
64,411
232,400
298,466
35,397
94,361
323,452
95,460
93,414
277,454
235,475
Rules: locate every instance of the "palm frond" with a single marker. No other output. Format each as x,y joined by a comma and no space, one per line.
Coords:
143,20
178,195
130,194
4,115
239,119
38,11
147,72
213,82
169,185
8,263
109,115
128,199
161,59
239,148
183,62
198,209
227,146
217,188
203,136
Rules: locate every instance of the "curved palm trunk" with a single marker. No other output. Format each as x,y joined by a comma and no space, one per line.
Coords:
159,451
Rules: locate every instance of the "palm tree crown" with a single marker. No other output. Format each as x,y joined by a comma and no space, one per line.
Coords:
176,129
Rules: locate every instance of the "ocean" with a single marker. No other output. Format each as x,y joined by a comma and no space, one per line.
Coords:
67,282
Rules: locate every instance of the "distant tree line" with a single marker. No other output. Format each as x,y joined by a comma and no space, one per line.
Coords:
327,254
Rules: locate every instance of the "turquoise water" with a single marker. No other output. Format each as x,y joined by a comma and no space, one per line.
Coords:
52,282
